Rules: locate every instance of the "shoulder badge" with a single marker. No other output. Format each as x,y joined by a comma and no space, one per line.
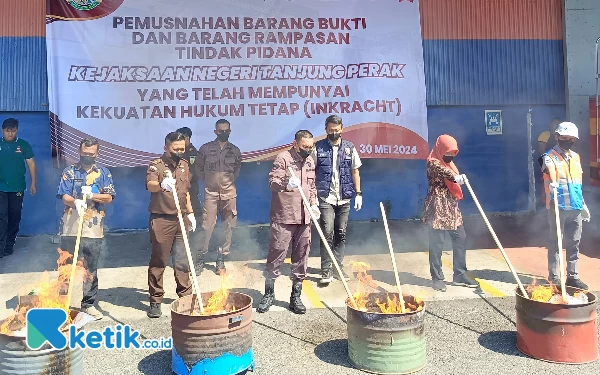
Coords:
155,162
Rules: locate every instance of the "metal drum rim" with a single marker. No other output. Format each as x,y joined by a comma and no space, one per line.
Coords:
589,303
557,362
213,315
388,373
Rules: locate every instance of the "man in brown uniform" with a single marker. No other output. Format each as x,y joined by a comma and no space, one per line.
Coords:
290,219
218,164
165,175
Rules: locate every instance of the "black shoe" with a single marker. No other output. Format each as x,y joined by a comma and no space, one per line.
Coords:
344,274
154,311
464,280
200,264
554,281
268,298
439,285
220,265
326,277
577,284
296,304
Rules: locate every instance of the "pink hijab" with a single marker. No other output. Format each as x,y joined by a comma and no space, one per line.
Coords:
443,145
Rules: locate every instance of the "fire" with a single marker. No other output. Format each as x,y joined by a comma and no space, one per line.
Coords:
217,303
552,294
47,293
367,290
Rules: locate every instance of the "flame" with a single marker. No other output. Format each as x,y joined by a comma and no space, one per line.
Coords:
47,293
217,303
548,293
368,286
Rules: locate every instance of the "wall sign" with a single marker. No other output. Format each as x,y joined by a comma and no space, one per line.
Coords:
493,122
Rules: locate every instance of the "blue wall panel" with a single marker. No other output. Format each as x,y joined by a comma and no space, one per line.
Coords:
23,74
480,72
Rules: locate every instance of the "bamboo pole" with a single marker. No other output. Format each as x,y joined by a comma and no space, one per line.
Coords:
559,238
316,222
187,249
489,226
75,256
389,239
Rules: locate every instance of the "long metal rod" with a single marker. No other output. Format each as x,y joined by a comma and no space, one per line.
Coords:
184,234
597,109
489,226
389,239
560,242
334,261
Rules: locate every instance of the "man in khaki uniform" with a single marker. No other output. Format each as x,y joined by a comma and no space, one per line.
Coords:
165,175
86,178
218,164
290,219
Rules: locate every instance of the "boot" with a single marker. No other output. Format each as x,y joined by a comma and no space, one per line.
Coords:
200,264
220,265
268,298
154,311
295,302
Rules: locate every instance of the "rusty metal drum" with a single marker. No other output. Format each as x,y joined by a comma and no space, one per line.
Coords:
556,332
386,343
17,358
219,344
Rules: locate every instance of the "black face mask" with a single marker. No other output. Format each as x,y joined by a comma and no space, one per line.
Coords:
304,153
447,159
176,156
223,137
87,160
334,136
565,144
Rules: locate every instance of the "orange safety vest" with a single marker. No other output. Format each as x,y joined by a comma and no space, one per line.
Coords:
569,178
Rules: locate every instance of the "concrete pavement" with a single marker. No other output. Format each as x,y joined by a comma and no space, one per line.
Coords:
468,331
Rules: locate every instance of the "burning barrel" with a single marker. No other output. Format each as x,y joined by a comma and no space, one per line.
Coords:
219,342
17,358
384,341
557,332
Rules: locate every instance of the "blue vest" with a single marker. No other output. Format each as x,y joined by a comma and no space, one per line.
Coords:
324,168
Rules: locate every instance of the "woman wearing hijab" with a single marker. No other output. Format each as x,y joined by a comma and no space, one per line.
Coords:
442,213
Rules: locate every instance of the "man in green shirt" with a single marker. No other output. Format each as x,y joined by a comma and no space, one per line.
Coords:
14,154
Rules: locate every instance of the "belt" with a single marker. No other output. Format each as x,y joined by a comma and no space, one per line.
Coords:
163,216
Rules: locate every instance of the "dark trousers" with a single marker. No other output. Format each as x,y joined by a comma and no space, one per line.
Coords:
333,223
571,228
459,251
89,253
167,240
11,205
228,211
281,236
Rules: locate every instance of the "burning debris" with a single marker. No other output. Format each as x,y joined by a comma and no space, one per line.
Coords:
369,298
219,302
551,294
47,293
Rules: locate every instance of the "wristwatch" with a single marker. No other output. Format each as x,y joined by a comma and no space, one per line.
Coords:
359,194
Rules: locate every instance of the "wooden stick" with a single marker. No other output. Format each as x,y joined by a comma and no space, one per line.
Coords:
559,238
489,226
316,222
75,256
389,239
187,249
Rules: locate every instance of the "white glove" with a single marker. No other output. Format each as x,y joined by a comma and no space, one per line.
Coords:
80,206
168,184
192,220
316,211
358,202
553,185
460,179
585,213
87,192
293,183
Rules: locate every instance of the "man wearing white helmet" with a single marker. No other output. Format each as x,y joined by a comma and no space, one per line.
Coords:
563,173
